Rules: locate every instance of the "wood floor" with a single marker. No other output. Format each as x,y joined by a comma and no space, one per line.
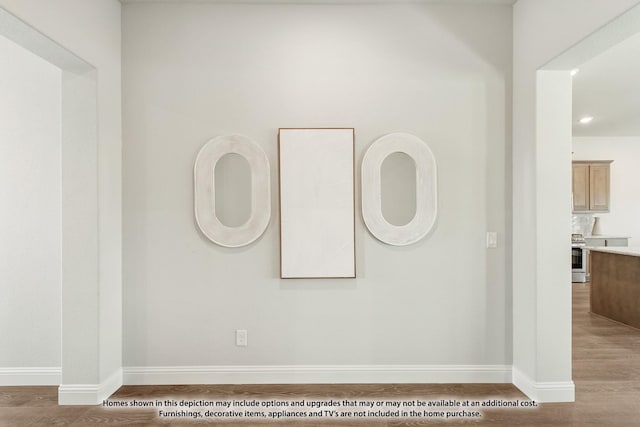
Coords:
606,371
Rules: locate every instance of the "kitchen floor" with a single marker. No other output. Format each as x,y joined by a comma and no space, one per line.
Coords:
606,372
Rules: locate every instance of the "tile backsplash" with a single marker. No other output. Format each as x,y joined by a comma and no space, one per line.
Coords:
582,223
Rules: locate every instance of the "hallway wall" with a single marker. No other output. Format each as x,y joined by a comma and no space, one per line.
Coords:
30,228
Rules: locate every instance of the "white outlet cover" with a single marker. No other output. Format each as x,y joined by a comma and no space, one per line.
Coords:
241,337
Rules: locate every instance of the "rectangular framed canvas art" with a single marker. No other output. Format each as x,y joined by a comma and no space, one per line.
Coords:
317,203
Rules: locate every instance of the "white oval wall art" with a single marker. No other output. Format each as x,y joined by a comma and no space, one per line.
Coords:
205,198
426,189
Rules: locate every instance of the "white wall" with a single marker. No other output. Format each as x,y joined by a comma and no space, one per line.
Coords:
91,30
193,71
622,219
541,302
30,227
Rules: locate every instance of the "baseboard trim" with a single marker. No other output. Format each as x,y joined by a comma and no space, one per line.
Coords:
89,394
94,394
317,374
30,376
561,391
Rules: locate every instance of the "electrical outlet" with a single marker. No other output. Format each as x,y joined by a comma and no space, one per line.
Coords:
241,337
492,239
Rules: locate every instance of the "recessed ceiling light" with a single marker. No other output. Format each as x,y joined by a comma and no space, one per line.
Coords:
575,71
586,119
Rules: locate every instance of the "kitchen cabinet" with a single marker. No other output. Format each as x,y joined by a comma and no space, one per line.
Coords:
615,285
590,185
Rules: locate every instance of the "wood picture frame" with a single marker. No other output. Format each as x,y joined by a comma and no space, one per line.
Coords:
317,202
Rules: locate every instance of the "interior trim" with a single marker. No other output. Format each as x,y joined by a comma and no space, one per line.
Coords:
561,391
316,374
89,394
30,376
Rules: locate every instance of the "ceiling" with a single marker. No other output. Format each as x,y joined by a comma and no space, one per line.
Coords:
607,88
488,2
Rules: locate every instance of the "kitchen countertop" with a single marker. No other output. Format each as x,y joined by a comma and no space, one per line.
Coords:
620,250
606,236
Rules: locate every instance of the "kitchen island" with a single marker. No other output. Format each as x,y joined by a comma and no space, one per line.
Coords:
615,283
594,240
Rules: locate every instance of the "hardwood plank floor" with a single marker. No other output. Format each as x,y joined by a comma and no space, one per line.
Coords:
606,371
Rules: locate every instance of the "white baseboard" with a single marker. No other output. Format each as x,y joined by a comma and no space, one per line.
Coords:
30,376
324,374
561,391
89,394
94,394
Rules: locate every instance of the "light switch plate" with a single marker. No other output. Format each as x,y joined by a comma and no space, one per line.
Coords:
492,239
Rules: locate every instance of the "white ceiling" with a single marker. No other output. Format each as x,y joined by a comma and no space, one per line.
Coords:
493,2
608,88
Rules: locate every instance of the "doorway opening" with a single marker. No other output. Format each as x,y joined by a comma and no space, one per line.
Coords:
30,217
554,143
77,207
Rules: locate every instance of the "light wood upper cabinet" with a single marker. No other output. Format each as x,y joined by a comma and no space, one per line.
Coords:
591,186
580,187
599,187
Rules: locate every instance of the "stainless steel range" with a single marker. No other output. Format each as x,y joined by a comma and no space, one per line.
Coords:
578,259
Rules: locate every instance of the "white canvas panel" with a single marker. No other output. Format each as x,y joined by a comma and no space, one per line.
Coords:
317,203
